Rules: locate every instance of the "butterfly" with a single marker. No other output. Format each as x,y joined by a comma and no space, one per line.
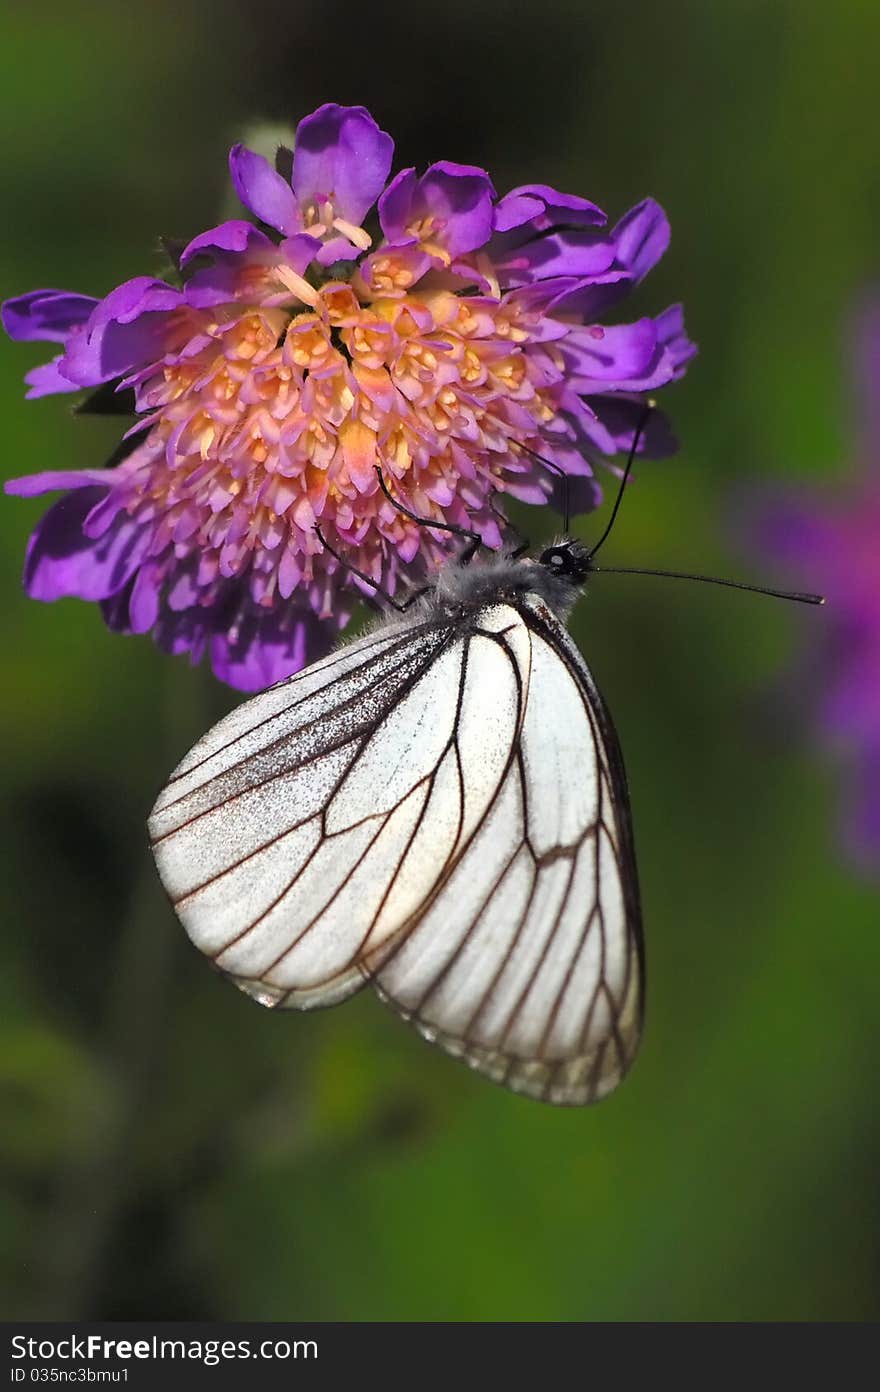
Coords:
438,809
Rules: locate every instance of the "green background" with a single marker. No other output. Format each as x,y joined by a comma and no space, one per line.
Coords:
170,1149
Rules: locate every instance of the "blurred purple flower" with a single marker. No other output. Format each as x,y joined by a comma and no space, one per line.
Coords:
832,542
295,353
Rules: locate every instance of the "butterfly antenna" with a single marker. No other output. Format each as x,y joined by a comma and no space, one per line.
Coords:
636,441
796,595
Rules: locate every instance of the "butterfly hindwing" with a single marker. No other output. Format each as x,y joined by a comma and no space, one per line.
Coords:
528,961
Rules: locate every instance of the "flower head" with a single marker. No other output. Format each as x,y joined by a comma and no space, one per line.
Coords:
419,328
834,543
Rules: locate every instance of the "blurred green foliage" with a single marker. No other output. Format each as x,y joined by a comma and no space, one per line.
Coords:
173,1151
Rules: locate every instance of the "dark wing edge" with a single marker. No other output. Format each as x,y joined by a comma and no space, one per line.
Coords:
609,741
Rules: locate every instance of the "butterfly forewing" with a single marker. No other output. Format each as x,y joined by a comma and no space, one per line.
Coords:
300,838
239,833
439,808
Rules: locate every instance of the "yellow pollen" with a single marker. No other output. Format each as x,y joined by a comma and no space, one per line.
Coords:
421,228
467,320
471,366
309,348
388,274
341,304
510,371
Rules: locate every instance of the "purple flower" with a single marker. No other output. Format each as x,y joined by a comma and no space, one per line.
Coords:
422,327
832,543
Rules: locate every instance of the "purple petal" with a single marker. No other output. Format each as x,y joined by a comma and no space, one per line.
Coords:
114,609
127,329
61,560
613,354
545,207
131,299
48,380
571,495
575,494
234,237
544,295
457,198
233,246
460,196
531,489
259,652
588,299
641,237
577,254
678,348
143,603
628,357
637,243
183,588
620,416
516,209
183,632
54,480
395,206
46,314
336,249
214,285
300,251
342,156
263,191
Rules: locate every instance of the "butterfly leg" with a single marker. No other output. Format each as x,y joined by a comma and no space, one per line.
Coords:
367,579
558,473
474,540
522,543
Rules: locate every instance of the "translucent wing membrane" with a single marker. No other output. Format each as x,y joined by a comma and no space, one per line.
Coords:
527,964
439,808
288,812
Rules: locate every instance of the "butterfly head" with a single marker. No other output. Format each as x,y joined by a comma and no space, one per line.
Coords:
568,560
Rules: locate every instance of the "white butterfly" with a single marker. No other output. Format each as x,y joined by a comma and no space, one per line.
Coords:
438,809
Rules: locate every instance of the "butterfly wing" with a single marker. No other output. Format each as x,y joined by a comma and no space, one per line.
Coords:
528,961
440,809
308,830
